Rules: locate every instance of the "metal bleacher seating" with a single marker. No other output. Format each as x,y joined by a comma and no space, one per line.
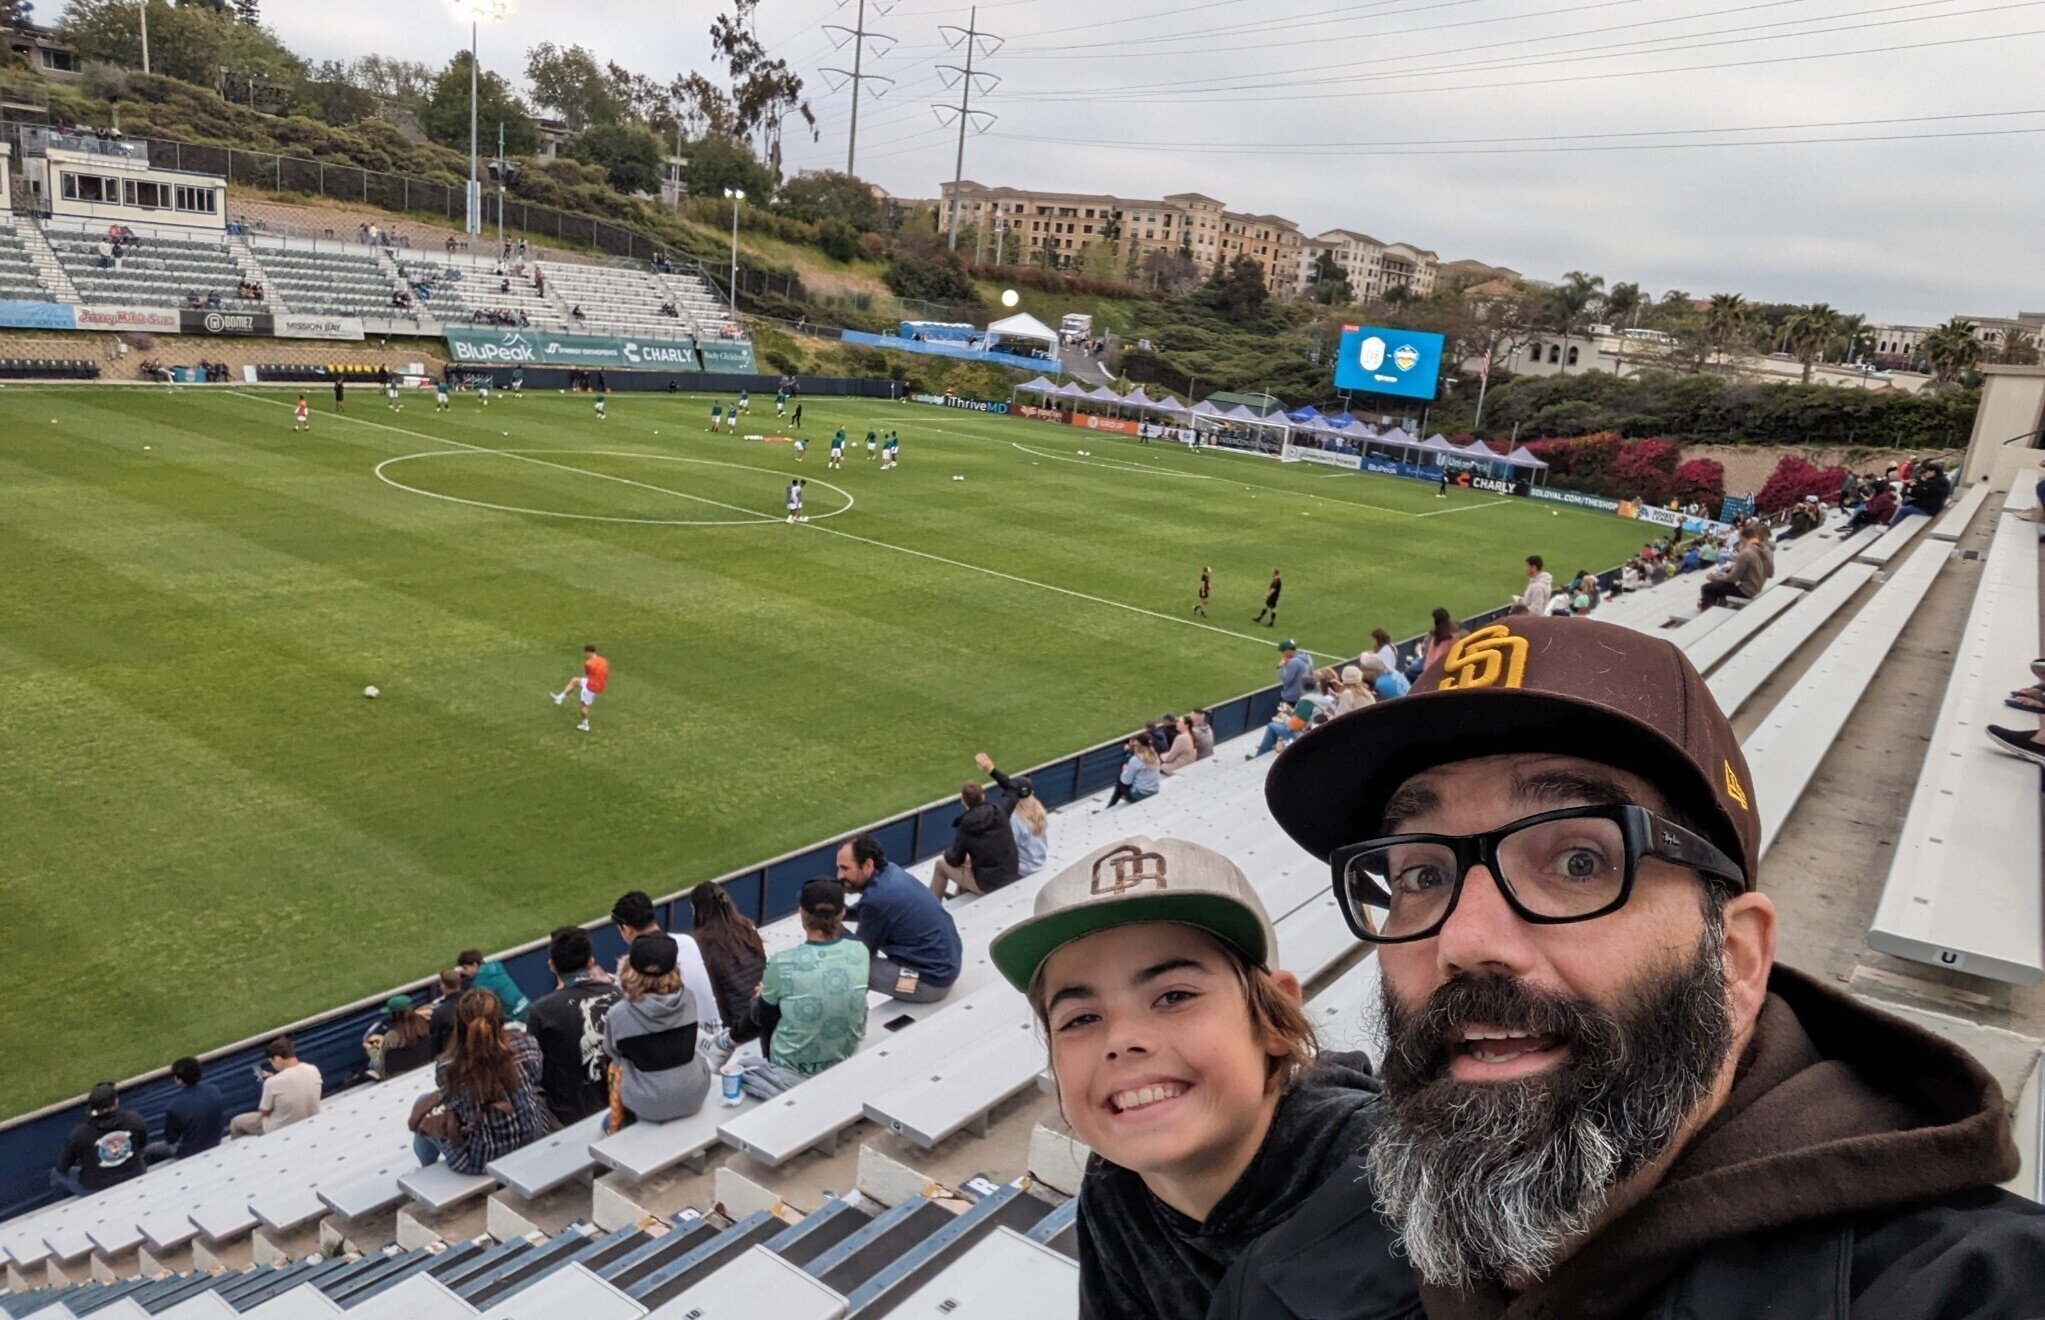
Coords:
19,281
1963,890
156,272
619,300
326,281
459,289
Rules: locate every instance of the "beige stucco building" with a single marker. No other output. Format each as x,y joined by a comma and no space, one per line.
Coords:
1374,268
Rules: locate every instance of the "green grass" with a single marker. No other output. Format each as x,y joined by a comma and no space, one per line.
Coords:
206,831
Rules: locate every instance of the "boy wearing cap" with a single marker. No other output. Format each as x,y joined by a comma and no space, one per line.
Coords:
1604,1098
1185,1062
813,997
103,1151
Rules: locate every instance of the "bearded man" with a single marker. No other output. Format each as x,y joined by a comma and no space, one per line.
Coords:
1604,1099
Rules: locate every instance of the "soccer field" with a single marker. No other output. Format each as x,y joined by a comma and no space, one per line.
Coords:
205,830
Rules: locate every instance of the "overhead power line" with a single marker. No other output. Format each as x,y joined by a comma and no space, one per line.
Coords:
973,41
858,36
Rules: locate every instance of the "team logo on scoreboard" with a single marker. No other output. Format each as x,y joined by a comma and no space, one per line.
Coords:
1406,356
1373,353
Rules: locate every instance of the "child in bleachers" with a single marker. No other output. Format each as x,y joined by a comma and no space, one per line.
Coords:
1184,1059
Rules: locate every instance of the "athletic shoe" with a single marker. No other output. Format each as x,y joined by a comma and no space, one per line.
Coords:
558,697
2017,743
584,726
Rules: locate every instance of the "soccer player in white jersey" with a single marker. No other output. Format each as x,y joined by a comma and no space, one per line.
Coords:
795,491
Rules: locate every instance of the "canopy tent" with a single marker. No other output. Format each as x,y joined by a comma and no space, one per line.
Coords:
1395,436
1437,444
1478,449
1305,416
1071,389
1522,457
1136,398
1167,404
1205,408
1102,394
1024,326
1041,385
1241,413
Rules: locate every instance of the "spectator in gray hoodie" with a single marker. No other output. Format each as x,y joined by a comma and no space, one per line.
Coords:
1540,586
651,1035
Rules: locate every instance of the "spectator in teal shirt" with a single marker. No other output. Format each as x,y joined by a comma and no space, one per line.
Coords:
813,996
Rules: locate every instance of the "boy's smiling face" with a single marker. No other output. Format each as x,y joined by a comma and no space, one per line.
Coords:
1159,1066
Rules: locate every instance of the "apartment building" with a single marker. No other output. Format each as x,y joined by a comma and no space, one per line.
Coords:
1064,223
1373,267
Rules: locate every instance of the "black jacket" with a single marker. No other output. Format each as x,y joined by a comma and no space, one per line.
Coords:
1139,1259
106,1150
983,834
1930,494
568,1026
1850,1175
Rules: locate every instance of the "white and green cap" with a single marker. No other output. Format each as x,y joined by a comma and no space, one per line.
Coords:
1134,880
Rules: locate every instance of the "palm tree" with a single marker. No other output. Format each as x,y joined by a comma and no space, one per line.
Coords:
1951,350
1809,331
1624,303
1856,339
1724,320
1570,302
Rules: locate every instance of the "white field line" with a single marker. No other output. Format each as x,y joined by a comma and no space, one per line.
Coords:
863,540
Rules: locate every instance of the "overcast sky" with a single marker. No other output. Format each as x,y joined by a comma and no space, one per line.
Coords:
1388,117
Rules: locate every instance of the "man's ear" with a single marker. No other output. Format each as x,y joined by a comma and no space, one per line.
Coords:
1749,955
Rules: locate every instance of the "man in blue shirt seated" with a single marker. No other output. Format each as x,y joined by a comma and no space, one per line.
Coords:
913,942
195,1118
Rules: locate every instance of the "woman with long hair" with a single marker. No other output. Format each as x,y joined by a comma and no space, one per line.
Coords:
489,1082
1441,637
732,953
1027,819
1140,776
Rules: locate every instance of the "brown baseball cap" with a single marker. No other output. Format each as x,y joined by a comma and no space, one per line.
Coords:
1568,686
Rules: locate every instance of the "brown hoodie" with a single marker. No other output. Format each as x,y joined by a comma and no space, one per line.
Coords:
1839,1115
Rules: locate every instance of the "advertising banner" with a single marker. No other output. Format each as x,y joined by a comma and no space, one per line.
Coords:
527,347
1736,508
1392,467
1118,425
958,401
227,323
1326,458
36,316
1497,487
157,320
726,356
1031,410
1577,498
1376,360
299,325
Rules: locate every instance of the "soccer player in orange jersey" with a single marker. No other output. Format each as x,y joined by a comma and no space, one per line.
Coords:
596,674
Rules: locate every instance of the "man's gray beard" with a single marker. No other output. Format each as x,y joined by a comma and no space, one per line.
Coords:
1491,1181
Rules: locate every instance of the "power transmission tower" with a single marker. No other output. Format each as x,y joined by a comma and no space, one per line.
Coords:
858,36
986,43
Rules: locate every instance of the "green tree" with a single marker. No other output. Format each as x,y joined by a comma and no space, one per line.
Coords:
445,115
716,164
188,42
816,195
838,239
1570,304
629,155
1810,331
1331,282
1952,350
1624,305
1098,260
1725,320
1856,340
1237,289
570,83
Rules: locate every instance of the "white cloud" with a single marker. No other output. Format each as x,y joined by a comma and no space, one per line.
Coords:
1908,231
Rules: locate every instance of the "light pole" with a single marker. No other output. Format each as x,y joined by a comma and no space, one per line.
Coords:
737,195
478,12
145,38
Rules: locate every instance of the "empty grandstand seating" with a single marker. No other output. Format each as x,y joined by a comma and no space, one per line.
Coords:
156,272
619,300
1963,891
19,281
327,281
48,369
456,292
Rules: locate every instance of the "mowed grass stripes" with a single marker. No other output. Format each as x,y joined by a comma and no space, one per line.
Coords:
205,830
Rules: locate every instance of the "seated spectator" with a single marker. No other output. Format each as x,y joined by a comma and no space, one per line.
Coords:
488,1101
913,943
194,1120
812,1002
1141,777
1387,683
291,1093
1691,561
1630,578
491,976
1708,551
732,955
576,312
652,1035
1386,652
103,1151
568,1026
633,915
1356,692
1181,751
441,1021
1925,496
981,857
1807,516
1743,577
402,1041
1876,512
1027,819
1203,733
1440,638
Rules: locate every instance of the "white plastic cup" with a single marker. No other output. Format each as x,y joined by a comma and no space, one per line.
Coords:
734,1083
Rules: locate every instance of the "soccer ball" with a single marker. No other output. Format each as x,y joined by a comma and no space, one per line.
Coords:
1554,513
958,478
372,692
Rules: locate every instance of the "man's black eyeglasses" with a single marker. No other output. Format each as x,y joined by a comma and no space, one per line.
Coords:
1557,867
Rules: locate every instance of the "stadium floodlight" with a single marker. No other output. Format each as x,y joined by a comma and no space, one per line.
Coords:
737,196
476,13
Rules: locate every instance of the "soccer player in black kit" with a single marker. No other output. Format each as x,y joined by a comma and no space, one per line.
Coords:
1270,603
